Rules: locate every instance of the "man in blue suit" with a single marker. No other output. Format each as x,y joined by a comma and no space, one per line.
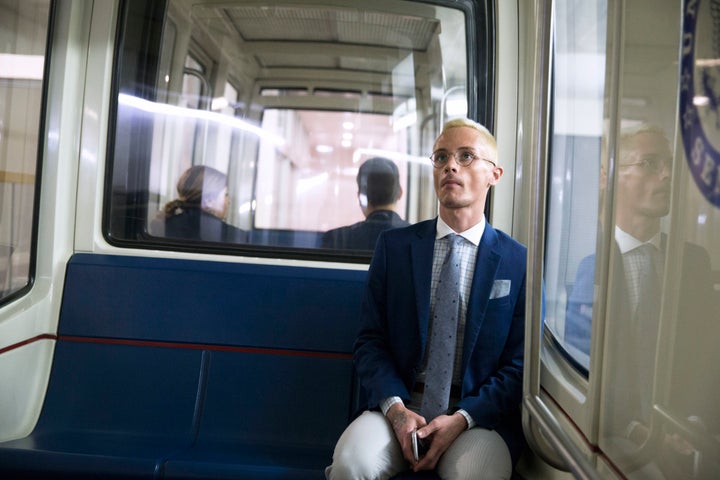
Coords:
480,435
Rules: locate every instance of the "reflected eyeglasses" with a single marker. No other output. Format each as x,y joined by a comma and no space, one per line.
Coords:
652,163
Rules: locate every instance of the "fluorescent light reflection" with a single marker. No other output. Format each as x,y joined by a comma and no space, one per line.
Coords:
21,67
361,153
175,111
307,184
324,148
406,121
456,107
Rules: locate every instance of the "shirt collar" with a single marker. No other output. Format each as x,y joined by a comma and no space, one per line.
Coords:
627,242
472,234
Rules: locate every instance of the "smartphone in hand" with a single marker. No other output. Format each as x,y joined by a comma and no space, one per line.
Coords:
419,446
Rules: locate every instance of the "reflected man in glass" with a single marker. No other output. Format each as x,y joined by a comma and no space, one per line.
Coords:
642,200
635,292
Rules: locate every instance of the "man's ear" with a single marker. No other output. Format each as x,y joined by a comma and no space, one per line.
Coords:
497,173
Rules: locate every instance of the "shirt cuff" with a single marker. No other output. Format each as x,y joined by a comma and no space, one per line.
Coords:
389,402
468,418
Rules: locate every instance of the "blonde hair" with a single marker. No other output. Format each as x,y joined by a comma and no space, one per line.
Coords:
626,143
628,137
466,122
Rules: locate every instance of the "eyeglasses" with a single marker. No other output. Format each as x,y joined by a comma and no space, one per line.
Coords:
463,158
652,163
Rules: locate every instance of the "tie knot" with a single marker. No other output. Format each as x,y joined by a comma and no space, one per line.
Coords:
453,240
647,251
647,247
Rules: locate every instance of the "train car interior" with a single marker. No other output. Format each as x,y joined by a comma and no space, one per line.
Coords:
225,354
151,330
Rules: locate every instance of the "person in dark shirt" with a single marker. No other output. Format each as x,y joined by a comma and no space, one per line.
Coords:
378,192
201,207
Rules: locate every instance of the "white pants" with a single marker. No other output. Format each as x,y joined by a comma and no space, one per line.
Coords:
368,450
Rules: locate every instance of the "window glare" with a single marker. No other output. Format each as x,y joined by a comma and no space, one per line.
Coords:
579,76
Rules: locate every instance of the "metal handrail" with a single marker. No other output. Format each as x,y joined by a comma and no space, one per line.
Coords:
575,461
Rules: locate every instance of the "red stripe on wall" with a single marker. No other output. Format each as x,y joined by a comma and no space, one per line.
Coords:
217,348
44,336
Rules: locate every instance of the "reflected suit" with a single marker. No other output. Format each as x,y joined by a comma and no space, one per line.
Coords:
631,351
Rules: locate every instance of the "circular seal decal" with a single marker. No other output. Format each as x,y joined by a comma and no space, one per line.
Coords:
700,94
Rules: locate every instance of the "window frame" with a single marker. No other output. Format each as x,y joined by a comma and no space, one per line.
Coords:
12,295
480,90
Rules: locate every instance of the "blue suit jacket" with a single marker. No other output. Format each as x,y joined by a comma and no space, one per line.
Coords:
390,347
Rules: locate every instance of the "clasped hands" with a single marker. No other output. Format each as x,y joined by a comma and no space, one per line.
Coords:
440,433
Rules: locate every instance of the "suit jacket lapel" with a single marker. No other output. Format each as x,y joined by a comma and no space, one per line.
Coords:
421,261
486,266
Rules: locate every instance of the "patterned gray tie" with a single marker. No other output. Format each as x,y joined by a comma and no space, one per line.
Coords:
646,325
441,352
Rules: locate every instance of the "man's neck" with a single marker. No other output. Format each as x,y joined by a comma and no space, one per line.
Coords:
642,228
372,208
461,219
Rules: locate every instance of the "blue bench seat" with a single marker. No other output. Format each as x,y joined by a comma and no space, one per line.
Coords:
151,382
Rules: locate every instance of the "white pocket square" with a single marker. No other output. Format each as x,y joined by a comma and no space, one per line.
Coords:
500,288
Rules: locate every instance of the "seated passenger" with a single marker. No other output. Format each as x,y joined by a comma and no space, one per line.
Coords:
200,209
440,347
378,192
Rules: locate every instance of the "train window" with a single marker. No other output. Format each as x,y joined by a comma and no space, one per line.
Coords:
163,83
194,84
577,129
23,33
242,127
